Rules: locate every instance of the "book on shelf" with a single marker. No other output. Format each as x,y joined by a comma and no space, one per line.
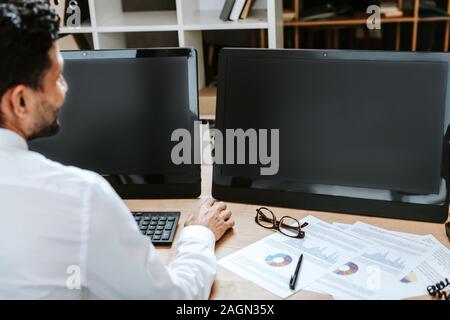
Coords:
390,10
226,10
248,6
237,10
234,10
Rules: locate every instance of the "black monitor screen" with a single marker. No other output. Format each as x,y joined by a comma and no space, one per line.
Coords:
119,116
355,127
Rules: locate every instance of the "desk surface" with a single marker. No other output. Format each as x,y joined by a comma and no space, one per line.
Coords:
229,285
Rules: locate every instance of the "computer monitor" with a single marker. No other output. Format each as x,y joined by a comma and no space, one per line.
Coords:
358,132
120,112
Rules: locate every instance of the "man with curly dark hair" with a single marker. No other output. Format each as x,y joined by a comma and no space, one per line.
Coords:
64,232
31,65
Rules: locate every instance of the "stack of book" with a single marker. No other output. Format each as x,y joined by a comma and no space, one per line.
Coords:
390,10
234,10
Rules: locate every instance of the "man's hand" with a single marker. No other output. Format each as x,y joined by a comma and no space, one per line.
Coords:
213,215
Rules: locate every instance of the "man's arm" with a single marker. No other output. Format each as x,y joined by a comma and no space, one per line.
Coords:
123,264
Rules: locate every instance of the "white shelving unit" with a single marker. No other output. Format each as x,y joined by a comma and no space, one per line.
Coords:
109,23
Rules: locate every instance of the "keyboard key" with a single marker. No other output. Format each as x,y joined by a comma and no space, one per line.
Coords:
160,228
150,232
156,237
154,223
152,228
163,219
161,223
158,232
145,223
155,218
166,235
171,219
169,225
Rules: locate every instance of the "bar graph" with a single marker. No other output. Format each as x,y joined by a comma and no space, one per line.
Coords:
316,251
382,257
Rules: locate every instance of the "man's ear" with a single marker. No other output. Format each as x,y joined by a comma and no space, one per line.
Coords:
20,101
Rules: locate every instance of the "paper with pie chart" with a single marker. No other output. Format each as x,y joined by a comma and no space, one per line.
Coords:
271,261
398,266
367,276
434,267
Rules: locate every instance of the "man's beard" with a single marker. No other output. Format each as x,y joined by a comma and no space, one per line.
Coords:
43,128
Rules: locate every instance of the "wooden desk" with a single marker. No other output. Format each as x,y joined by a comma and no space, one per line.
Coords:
229,285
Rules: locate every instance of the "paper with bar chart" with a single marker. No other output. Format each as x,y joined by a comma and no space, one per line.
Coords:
368,276
398,266
434,267
271,261
379,266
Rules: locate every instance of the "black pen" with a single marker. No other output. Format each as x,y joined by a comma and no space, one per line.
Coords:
294,277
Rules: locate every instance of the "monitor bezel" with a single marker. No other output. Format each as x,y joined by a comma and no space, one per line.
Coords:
157,190
322,202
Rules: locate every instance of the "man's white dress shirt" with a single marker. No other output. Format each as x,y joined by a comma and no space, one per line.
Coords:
65,234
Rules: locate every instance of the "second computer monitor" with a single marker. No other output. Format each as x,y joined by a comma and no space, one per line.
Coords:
348,131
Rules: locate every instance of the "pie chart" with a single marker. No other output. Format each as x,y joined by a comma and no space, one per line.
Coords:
410,277
278,260
347,269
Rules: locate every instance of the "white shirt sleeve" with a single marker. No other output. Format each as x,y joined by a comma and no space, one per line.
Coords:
121,263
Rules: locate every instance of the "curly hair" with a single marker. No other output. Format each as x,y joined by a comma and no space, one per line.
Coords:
28,30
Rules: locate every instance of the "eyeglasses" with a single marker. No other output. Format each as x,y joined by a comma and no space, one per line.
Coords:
286,225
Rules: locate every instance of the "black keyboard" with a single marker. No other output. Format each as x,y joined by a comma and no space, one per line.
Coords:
160,227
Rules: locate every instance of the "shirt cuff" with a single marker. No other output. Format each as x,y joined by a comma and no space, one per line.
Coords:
196,232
